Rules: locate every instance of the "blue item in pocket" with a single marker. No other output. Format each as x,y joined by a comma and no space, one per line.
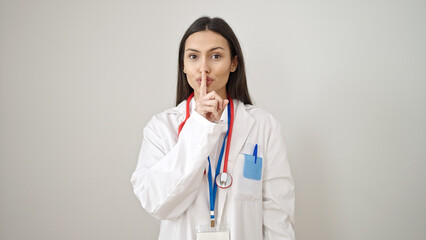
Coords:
252,167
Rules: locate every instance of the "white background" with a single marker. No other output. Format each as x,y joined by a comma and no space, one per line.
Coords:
80,79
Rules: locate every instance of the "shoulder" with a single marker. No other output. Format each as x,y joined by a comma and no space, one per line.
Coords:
261,116
168,119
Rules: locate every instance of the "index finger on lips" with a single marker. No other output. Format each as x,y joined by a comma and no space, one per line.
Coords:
203,86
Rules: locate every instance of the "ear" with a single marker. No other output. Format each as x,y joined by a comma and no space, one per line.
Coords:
234,64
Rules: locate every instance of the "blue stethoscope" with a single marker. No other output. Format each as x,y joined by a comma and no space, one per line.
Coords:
223,179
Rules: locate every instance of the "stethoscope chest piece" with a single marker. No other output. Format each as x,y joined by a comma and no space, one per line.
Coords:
224,180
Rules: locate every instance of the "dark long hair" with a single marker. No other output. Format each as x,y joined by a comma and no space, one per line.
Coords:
236,86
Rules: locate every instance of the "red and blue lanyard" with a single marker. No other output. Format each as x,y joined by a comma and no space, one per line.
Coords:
212,184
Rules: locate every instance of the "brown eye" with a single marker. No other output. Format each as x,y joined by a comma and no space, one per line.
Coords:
192,56
216,56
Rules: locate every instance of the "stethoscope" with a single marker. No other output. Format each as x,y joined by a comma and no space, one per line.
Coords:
223,179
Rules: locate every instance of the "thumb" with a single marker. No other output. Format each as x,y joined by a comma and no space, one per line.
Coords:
225,102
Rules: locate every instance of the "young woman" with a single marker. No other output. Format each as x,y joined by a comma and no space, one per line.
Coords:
215,166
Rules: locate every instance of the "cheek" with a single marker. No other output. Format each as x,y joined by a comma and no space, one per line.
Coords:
223,72
190,71
224,68
190,78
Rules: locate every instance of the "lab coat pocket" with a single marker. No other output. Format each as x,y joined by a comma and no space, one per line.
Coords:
252,167
248,184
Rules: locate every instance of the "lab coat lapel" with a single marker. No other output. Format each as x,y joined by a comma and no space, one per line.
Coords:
243,122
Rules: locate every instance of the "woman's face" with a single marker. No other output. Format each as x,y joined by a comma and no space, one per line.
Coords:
208,51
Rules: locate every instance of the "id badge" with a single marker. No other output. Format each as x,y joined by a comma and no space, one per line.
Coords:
212,233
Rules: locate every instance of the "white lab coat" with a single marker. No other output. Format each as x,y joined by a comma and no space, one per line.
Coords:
171,185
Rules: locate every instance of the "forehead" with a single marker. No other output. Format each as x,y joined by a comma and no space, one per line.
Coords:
206,40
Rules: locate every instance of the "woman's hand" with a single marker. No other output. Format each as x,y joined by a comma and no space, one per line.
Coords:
209,105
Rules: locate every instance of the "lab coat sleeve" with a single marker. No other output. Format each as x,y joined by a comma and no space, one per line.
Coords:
278,190
167,181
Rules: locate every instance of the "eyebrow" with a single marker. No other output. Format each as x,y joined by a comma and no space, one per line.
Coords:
212,49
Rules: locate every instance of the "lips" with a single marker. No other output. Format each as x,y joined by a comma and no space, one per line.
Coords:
208,80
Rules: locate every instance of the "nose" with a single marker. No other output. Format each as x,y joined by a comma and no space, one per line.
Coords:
204,67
